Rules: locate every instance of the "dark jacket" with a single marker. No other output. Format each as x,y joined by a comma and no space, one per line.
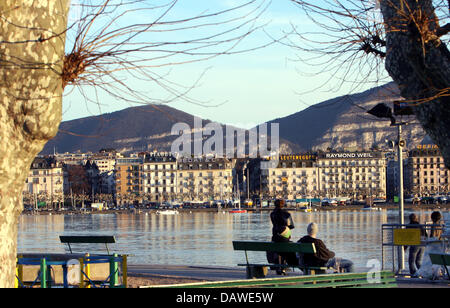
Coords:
423,232
322,255
280,220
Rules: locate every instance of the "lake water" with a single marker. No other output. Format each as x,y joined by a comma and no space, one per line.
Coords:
204,238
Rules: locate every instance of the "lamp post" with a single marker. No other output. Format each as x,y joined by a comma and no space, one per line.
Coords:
383,111
400,145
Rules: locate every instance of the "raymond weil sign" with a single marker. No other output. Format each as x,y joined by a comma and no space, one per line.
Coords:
351,155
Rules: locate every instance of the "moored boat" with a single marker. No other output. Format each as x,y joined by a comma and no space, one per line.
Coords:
237,211
167,212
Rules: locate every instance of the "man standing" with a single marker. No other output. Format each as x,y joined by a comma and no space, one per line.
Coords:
416,252
323,257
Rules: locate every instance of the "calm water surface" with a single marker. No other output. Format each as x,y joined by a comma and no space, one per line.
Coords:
204,238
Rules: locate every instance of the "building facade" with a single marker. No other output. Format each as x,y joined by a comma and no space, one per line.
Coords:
45,182
357,175
205,179
158,176
128,179
347,174
295,176
426,172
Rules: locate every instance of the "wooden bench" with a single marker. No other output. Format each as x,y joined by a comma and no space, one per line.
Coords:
260,270
441,259
88,239
348,280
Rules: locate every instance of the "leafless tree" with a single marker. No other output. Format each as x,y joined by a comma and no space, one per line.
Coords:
359,41
45,53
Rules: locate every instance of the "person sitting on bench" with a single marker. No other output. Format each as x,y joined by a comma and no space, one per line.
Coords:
323,257
281,232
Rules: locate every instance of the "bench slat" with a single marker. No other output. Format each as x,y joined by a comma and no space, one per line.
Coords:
88,239
440,258
333,280
275,247
287,266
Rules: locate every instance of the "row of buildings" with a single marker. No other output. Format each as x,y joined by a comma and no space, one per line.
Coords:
156,177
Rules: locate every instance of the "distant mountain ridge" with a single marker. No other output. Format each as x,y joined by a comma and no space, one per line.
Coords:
340,124
142,128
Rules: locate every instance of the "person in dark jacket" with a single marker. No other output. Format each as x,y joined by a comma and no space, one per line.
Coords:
323,257
436,232
282,223
415,252
281,232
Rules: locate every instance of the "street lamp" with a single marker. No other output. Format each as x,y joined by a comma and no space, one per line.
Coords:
381,110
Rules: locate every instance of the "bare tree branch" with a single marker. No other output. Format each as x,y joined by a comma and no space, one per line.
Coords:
361,41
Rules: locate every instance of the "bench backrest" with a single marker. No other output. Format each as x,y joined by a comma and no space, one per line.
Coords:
275,247
87,239
440,259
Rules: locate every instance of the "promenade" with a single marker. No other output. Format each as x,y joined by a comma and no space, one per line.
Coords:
146,275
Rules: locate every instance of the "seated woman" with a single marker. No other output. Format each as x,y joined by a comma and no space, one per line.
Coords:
281,232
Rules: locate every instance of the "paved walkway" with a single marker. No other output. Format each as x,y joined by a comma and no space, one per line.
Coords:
216,273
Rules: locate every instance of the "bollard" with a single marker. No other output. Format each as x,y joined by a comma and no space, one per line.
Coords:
65,273
81,285
113,271
19,272
16,280
124,270
43,273
87,271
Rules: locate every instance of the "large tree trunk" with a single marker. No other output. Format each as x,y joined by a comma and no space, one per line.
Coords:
419,63
32,39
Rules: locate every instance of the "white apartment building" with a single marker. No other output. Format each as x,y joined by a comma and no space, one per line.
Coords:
46,179
205,179
346,174
352,174
426,173
294,177
158,177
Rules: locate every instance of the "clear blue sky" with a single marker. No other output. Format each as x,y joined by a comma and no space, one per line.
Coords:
243,89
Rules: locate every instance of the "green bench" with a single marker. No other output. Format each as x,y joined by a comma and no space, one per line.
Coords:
385,279
441,259
260,270
88,239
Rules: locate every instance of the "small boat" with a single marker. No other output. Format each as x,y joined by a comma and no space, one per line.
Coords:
306,209
167,212
237,211
371,208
